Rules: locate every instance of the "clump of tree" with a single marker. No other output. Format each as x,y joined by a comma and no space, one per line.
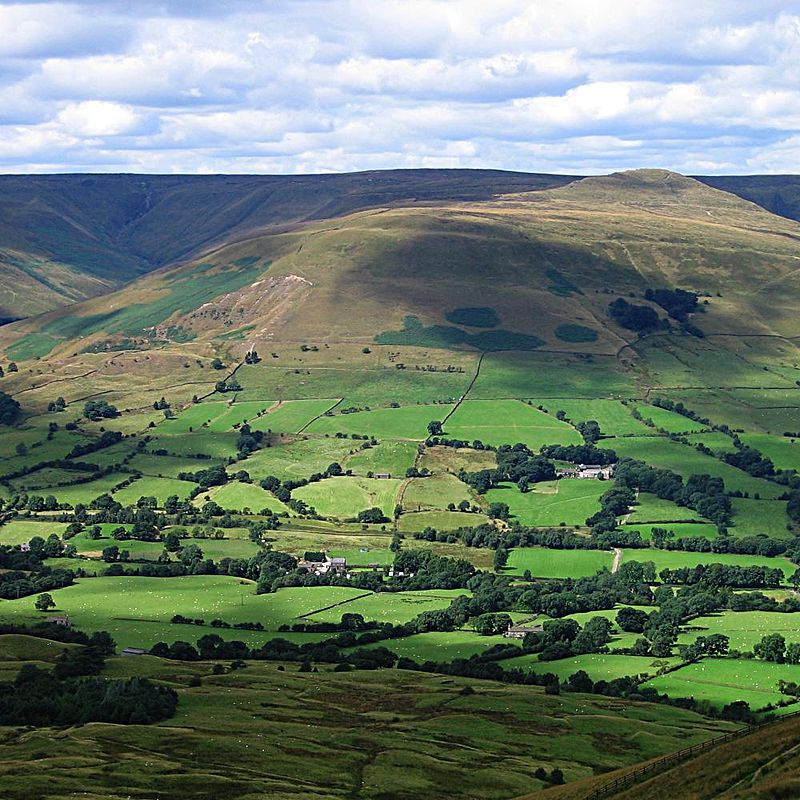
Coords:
678,303
96,410
641,319
9,409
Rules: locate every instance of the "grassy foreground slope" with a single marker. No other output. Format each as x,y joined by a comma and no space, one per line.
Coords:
260,732
762,766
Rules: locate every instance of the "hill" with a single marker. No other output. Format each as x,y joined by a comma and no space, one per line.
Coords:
761,766
548,263
64,238
263,731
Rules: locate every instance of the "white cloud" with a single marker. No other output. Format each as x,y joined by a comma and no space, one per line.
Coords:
318,85
97,118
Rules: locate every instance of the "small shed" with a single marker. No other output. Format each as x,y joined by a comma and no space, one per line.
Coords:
383,475
134,651
63,621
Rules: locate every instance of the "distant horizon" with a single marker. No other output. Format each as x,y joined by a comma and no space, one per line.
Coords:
391,169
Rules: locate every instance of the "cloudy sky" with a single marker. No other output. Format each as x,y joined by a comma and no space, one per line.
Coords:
287,86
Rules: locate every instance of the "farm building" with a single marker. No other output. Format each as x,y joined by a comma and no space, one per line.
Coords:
63,621
522,630
134,651
325,566
383,475
587,472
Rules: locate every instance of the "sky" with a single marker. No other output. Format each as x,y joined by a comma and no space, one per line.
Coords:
302,86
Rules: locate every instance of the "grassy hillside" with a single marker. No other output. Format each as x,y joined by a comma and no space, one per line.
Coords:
259,732
761,766
67,237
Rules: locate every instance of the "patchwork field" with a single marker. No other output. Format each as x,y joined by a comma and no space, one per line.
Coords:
507,422
570,501
544,563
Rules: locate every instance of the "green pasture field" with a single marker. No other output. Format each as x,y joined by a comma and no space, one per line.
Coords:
148,486
569,500
363,556
355,384
298,459
782,450
129,422
451,459
745,628
599,666
89,565
395,607
727,680
669,420
546,375
236,496
650,508
291,416
20,531
658,451
217,445
406,422
136,610
391,456
674,559
345,496
613,416
754,517
167,466
545,563
40,448
436,493
18,647
195,417
110,456
508,422
86,492
439,520
43,480
223,743
238,413
715,440
443,646
682,530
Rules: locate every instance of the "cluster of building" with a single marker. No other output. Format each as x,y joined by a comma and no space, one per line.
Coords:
595,472
325,566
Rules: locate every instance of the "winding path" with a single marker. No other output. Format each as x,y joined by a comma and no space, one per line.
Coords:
617,560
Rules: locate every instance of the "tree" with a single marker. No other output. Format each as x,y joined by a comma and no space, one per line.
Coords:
435,428
172,542
44,602
217,364
372,515
498,510
110,553
95,410
500,558
772,647
9,409
631,620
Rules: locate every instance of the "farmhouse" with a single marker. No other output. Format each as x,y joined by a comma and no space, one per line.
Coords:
64,621
596,472
522,630
325,566
383,475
